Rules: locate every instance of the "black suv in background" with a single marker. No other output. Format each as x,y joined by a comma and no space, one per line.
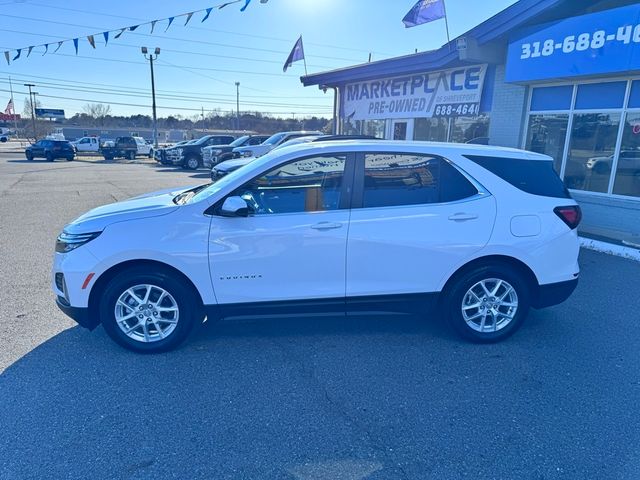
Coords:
189,155
219,153
50,149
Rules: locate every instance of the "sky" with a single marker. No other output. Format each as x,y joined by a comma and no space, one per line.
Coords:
199,63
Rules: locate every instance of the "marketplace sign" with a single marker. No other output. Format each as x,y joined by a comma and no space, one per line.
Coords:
448,93
598,43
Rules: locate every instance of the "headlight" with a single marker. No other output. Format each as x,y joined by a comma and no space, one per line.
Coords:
217,151
70,241
247,153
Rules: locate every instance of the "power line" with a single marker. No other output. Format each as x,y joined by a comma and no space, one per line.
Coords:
162,107
145,90
183,98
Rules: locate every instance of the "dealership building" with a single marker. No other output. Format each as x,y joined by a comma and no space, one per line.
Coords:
560,77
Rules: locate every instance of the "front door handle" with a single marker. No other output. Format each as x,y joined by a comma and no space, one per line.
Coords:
462,217
326,225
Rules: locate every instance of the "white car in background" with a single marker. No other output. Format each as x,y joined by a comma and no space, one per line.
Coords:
144,148
270,143
477,234
87,145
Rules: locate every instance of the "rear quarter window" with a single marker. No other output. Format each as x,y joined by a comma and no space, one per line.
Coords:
531,176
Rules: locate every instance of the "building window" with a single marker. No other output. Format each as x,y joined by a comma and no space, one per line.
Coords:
547,134
469,130
627,179
431,129
593,139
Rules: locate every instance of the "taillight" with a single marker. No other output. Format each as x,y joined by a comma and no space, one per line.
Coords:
570,215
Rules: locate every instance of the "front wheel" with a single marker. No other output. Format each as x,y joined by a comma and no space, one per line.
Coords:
148,312
29,155
49,157
489,303
192,163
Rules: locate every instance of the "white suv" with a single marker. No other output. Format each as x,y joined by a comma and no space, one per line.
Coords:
482,233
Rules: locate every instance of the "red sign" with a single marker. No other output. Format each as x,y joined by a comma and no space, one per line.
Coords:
9,117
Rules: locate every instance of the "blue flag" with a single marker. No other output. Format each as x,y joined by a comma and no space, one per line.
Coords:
207,15
424,11
296,54
75,44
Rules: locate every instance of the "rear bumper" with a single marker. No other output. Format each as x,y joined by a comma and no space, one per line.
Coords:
554,293
78,314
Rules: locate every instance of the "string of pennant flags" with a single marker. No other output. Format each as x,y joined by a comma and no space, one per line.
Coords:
10,56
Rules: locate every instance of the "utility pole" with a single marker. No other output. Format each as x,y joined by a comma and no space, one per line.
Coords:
15,118
238,107
33,108
151,58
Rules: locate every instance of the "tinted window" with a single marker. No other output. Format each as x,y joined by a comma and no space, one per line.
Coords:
256,140
407,179
532,176
307,185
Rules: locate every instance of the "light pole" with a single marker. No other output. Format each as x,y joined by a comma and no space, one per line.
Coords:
238,106
151,58
33,111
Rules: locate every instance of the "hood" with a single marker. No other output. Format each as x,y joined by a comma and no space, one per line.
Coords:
229,165
148,205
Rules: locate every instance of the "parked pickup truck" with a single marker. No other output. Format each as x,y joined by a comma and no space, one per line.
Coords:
189,155
87,145
122,147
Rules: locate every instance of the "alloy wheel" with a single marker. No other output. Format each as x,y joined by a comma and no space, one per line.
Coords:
489,305
146,313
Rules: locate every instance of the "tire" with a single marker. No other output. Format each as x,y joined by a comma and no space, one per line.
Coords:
29,155
177,295
506,319
70,159
49,157
108,157
192,163
131,155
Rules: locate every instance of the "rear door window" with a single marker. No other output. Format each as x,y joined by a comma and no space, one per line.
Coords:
537,177
392,179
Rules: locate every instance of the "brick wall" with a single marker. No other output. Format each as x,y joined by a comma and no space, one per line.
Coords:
507,112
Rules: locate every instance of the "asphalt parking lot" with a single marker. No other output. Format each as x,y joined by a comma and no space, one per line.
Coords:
322,398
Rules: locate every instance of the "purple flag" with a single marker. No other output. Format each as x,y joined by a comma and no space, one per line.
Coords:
424,11
296,54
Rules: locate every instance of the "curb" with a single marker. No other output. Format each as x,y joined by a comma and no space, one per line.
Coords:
610,248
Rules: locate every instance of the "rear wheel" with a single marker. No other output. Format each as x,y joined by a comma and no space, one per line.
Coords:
489,303
192,163
148,311
131,156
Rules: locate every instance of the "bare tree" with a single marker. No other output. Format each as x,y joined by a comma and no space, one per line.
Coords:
26,111
98,111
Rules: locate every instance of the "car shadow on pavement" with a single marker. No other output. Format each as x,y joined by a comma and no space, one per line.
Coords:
79,406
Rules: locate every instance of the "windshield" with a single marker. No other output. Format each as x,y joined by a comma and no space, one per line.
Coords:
273,139
296,141
239,141
201,140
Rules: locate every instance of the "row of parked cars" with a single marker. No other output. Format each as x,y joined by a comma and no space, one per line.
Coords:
122,147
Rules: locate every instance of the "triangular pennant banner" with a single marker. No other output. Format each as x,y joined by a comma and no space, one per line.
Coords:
169,24
131,29
245,5
106,38
58,47
46,49
207,15
120,33
75,44
29,52
18,55
225,4
153,25
188,18
6,55
91,41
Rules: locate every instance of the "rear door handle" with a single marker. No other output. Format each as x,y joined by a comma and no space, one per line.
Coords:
462,217
326,225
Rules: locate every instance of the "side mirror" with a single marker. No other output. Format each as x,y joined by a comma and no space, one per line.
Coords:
234,207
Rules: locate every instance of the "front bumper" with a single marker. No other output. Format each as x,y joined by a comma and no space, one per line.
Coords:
79,314
554,293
